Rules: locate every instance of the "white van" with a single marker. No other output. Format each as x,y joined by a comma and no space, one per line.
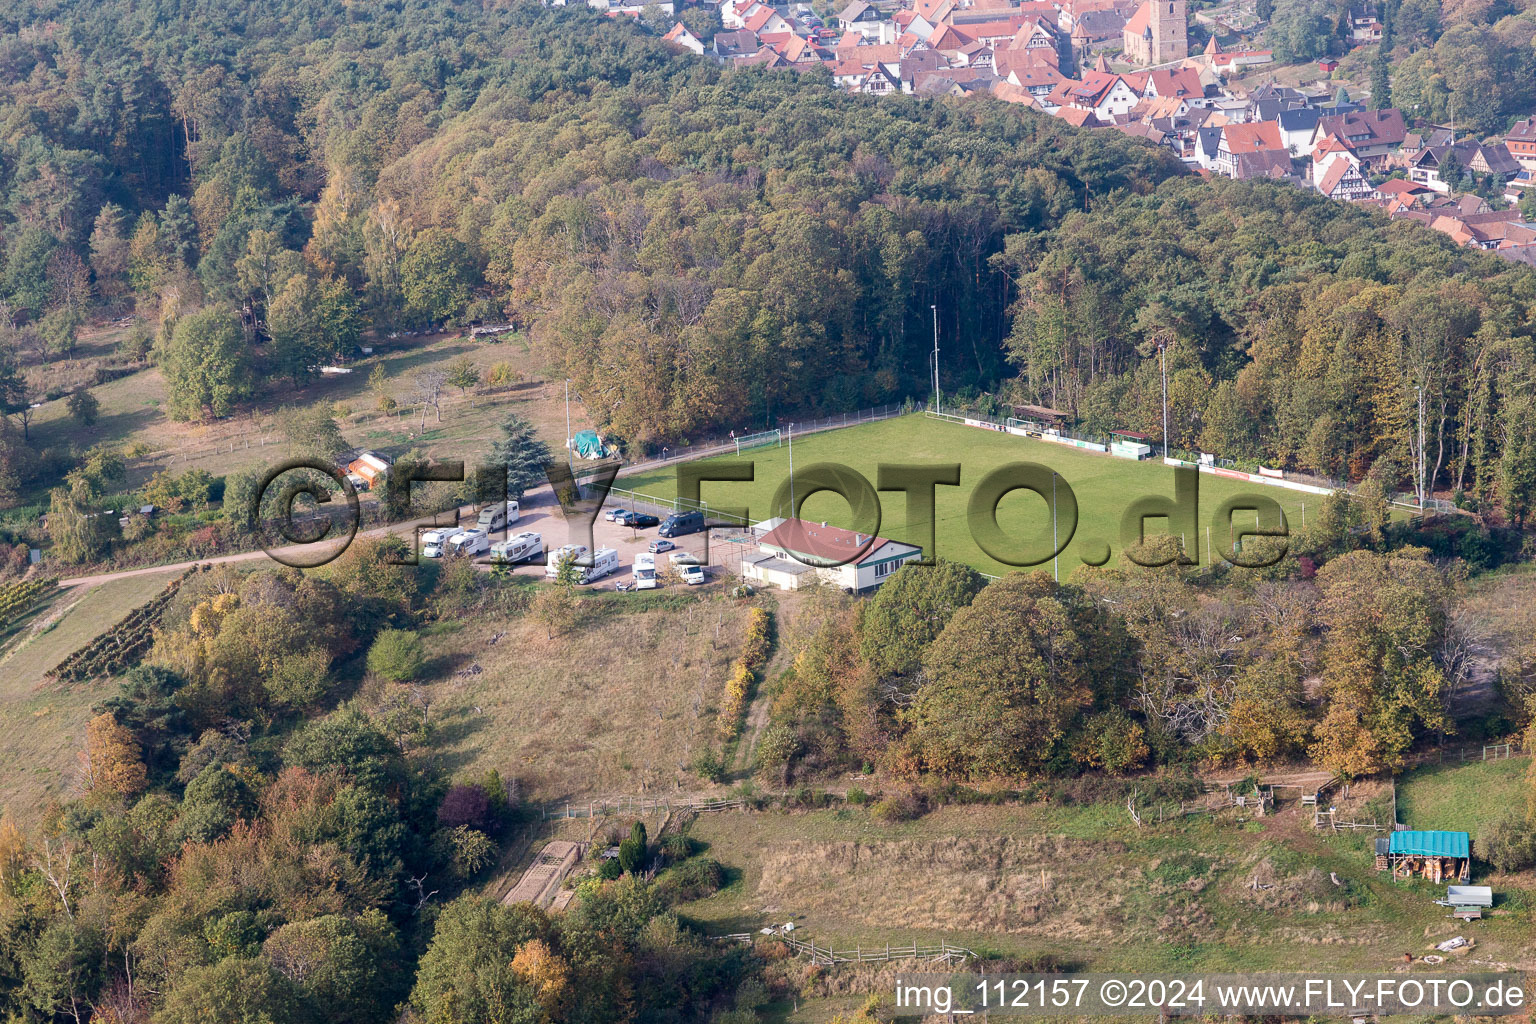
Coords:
605,561
433,541
645,572
560,554
469,542
520,547
498,516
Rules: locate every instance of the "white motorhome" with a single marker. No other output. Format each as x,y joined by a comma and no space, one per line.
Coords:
520,547
497,516
433,541
469,542
605,561
645,572
560,554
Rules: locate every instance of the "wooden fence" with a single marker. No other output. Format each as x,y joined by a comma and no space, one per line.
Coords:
827,955
633,805
1461,755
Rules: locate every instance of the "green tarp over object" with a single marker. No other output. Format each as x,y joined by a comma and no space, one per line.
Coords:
1431,844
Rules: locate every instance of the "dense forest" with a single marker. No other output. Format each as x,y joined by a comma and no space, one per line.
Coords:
700,248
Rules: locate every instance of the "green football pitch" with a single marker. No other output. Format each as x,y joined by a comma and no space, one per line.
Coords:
1104,487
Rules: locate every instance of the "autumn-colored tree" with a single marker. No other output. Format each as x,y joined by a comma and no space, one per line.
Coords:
546,972
1007,677
111,760
1385,617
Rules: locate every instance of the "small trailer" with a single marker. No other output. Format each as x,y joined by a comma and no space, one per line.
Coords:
1467,902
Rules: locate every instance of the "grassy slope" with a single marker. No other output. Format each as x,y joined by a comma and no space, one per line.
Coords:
133,411
1085,885
619,706
1104,486
1461,798
42,723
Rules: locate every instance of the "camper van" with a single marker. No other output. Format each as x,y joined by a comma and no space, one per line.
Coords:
433,541
497,517
605,561
679,523
645,572
469,542
560,554
520,547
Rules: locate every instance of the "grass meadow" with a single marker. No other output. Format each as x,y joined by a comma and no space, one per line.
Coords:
42,722
619,705
1462,797
1104,487
133,410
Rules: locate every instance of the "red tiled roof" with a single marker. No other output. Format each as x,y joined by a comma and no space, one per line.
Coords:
827,544
1140,21
1080,118
1253,138
1398,186
1176,82
760,17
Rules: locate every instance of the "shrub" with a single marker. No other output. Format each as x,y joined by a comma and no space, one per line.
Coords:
609,870
1509,844
857,796
899,807
1112,741
397,655
676,846
735,703
709,765
759,638
776,749
693,880
631,855
464,805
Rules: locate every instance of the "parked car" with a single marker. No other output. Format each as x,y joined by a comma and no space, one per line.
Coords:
683,558
692,574
638,520
613,514
679,523
656,547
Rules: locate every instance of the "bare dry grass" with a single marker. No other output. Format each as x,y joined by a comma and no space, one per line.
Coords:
1085,885
619,706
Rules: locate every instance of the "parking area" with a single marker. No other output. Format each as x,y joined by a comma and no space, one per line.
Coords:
539,514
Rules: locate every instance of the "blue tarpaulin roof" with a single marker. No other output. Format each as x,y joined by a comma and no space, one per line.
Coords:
1431,844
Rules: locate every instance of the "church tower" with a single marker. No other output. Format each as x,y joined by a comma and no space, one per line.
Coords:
1170,31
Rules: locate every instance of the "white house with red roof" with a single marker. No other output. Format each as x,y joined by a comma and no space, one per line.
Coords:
793,553
684,38
762,18
1343,180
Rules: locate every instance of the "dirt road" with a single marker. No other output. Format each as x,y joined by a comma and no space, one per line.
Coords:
540,514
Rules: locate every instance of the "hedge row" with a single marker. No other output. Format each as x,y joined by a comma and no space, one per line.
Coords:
754,655
122,646
19,597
